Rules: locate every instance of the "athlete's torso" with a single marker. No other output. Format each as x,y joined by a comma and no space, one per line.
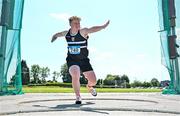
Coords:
77,46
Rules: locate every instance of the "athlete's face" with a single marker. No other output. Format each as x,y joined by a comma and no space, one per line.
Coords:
75,24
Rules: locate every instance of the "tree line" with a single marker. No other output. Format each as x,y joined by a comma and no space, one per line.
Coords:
39,75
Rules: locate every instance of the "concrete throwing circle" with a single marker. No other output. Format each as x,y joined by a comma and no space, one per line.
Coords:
92,113
88,105
91,99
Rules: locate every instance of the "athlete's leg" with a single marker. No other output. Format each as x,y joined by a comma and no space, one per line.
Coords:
74,71
91,77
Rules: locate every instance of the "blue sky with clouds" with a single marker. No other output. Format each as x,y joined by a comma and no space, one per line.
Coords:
129,45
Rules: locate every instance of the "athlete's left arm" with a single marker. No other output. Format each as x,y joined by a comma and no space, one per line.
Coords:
95,28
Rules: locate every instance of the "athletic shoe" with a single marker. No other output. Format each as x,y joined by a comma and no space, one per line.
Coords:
92,90
78,100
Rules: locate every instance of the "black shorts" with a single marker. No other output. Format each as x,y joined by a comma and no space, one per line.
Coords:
84,64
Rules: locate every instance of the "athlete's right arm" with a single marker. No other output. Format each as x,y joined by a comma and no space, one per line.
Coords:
59,34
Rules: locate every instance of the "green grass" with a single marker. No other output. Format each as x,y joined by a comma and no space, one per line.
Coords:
55,89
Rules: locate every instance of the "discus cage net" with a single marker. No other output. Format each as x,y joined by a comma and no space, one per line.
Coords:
169,21
10,51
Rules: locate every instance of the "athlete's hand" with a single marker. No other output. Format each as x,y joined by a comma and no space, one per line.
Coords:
54,38
106,24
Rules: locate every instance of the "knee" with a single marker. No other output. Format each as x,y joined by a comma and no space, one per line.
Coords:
74,72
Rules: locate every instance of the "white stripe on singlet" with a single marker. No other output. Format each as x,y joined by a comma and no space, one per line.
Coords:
79,42
83,46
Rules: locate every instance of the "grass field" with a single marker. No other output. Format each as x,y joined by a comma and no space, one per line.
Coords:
55,89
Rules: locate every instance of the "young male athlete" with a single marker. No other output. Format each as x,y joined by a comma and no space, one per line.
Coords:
77,57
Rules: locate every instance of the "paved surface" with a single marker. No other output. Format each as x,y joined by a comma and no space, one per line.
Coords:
105,104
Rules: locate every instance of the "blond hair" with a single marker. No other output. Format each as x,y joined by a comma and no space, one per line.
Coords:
74,18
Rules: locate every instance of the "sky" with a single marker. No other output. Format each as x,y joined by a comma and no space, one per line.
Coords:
129,45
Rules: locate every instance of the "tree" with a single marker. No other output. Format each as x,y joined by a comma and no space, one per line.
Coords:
146,84
45,72
12,80
65,74
35,71
99,81
117,80
136,84
25,73
155,82
55,76
109,80
124,81
125,78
